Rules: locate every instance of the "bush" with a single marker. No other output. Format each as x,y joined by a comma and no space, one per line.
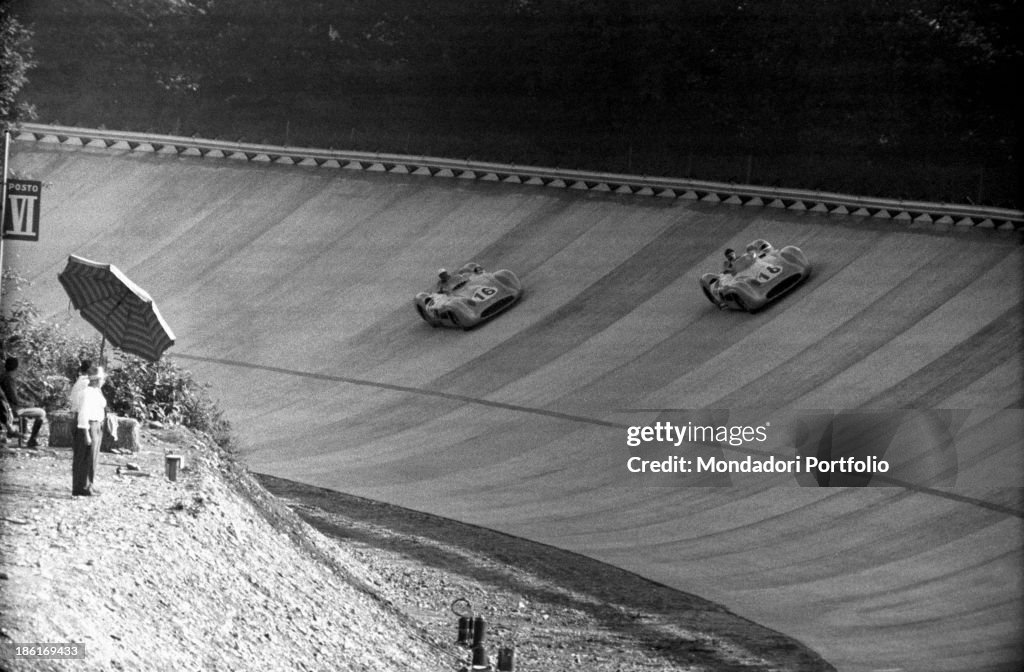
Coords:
50,356
164,392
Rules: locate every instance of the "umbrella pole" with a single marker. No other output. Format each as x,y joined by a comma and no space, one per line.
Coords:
110,312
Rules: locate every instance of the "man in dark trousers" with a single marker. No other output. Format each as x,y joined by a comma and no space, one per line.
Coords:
9,385
88,434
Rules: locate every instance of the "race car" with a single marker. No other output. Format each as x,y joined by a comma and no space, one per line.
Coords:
468,297
757,277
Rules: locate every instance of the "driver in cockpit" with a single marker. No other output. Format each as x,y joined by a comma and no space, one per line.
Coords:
729,265
446,281
443,280
733,264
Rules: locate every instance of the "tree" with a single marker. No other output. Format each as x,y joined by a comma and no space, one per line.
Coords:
15,62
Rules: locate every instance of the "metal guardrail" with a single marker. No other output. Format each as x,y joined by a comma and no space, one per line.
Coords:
917,212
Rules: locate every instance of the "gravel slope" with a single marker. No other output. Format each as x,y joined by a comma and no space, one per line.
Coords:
215,573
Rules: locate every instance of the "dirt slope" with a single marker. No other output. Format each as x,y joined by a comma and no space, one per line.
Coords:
213,573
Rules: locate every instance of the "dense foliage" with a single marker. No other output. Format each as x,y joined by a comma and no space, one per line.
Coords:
50,354
899,97
15,62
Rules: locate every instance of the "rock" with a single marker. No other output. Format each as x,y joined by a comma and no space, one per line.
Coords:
127,437
62,427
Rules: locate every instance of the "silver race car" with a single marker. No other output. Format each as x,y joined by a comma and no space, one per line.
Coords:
468,297
757,277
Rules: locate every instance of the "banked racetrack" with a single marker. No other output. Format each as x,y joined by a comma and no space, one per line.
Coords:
290,289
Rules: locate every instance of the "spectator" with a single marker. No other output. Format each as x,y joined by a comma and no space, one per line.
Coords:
88,435
9,386
7,427
81,383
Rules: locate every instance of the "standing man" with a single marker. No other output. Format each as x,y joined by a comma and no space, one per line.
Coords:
9,385
88,434
82,382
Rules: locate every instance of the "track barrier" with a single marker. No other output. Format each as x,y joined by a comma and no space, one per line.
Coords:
898,211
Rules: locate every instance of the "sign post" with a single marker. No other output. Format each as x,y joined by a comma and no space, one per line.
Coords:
3,208
19,206
21,210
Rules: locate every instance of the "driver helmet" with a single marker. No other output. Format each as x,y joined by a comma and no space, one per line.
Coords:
443,274
730,253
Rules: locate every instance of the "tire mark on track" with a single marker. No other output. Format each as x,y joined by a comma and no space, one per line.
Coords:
1008,511
403,388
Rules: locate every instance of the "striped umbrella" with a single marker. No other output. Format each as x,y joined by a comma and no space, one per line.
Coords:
121,310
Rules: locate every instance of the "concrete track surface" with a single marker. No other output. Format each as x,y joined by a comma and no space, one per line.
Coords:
291,290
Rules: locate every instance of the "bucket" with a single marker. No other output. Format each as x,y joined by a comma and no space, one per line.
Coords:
480,661
465,630
506,659
172,464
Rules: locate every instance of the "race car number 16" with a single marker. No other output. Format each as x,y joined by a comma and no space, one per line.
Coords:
484,293
769,273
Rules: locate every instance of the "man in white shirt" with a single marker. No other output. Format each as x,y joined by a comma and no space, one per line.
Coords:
88,434
80,384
